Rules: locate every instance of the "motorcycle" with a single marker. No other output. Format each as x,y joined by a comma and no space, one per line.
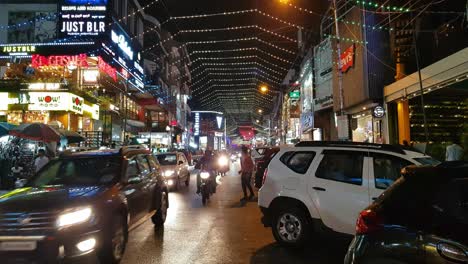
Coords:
223,165
206,186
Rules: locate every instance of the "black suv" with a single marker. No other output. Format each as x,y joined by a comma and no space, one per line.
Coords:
81,203
421,218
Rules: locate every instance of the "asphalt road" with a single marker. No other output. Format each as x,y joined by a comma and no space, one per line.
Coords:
224,231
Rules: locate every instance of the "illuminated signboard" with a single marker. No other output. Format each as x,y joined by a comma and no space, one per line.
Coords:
347,59
106,68
81,60
93,110
219,121
44,86
55,102
82,18
4,101
197,124
19,50
90,77
121,41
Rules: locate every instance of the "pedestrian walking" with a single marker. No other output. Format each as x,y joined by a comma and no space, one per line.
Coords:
247,167
454,152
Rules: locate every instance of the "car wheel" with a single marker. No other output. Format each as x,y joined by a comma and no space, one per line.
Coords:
159,218
291,227
114,249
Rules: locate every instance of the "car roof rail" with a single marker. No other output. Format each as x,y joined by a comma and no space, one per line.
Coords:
128,148
350,144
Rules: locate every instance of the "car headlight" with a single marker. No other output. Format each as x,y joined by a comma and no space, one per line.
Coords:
74,217
168,173
204,175
223,161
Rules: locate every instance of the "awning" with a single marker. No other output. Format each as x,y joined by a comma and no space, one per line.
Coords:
451,69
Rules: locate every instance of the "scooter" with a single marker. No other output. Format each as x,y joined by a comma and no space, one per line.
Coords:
206,186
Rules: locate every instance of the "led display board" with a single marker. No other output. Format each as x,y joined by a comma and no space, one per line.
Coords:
82,18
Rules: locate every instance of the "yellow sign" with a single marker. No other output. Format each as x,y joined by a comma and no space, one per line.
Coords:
19,48
93,110
4,101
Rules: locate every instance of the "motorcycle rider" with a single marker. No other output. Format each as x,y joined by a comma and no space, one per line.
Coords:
208,164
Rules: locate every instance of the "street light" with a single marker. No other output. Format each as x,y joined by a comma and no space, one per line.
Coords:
264,89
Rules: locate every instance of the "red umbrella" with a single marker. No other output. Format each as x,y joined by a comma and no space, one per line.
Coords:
37,132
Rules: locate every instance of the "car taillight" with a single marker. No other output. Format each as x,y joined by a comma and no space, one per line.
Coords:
368,221
264,176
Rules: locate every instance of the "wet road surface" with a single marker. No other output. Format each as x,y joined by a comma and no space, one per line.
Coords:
223,231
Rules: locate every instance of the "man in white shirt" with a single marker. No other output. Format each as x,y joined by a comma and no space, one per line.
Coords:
41,160
454,152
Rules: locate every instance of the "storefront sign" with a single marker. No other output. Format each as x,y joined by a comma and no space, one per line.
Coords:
307,92
323,58
106,68
81,60
378,112
44,86
19,49
347,59
93,110
43,101
122,43
4,101
307,121
218,134
82,18
197,124
295,95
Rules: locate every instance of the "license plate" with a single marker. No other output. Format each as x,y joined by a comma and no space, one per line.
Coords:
18,246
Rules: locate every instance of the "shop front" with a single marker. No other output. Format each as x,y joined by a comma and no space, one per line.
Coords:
443,117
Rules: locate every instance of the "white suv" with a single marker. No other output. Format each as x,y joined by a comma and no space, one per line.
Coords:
322,186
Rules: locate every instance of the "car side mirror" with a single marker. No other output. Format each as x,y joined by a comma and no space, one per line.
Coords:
181,162
134,179
452,252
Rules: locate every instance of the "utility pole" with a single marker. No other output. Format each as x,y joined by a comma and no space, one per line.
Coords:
338,48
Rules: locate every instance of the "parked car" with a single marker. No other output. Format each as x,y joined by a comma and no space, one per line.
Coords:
421,218
262,163
175,169
322,186
81,203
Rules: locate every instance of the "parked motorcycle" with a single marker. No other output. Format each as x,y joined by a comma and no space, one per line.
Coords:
206,186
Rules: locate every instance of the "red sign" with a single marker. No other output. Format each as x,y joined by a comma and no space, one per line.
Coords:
347,59
109,70
62,60
174,123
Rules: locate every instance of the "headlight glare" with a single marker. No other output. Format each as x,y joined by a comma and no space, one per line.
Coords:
168,173
204,175
74,217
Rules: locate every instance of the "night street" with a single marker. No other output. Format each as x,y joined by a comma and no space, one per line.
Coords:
222,232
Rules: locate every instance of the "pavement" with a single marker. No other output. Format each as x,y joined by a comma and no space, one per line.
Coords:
224,231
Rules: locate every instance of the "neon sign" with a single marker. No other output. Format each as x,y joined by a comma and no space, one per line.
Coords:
109,70
197,124
81,60
8,49
122,43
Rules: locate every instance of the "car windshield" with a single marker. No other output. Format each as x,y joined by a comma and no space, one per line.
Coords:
167,159
78,172
427,161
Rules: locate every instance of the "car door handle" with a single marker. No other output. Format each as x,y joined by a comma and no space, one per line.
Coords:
319,189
